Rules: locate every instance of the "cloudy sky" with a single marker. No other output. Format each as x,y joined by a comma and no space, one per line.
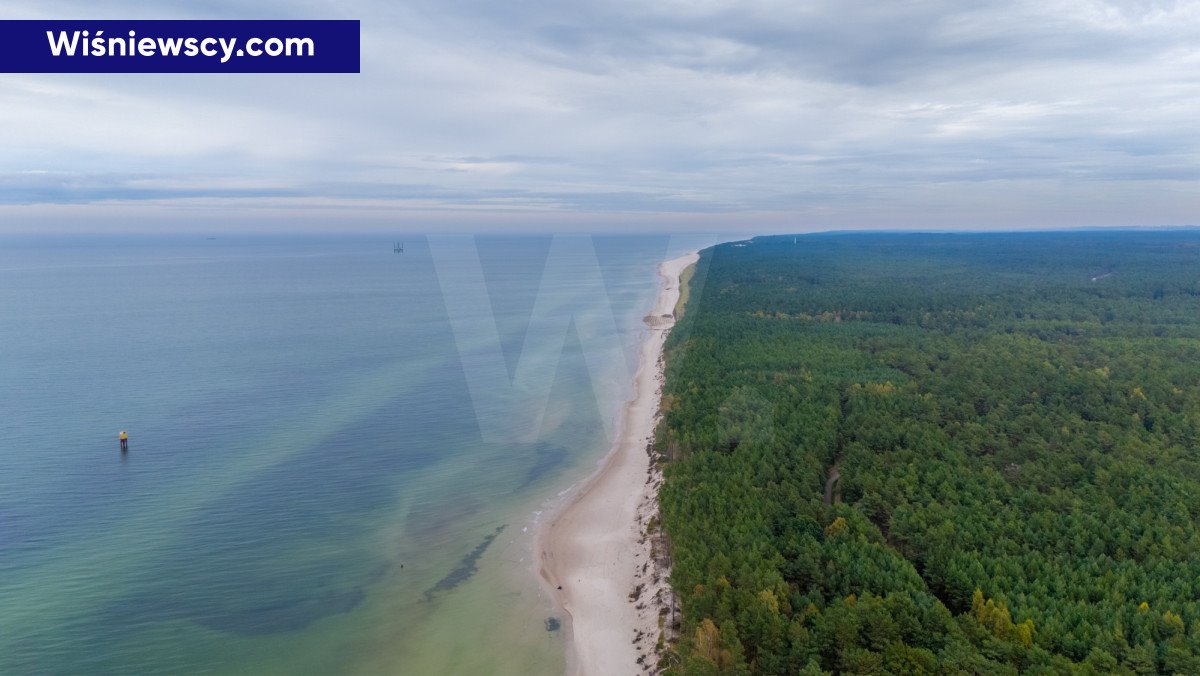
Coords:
615,115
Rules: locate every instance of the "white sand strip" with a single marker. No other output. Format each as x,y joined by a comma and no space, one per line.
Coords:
593,553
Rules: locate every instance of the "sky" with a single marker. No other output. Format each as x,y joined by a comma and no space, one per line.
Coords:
631,115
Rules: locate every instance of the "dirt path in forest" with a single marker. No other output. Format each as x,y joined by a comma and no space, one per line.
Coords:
833,477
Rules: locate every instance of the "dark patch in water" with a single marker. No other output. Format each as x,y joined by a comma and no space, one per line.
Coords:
466,568
286,615
548,457
380,571
432,519
552,624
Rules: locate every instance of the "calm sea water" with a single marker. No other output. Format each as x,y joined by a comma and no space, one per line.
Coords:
337,453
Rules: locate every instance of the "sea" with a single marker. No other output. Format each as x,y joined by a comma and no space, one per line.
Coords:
338,453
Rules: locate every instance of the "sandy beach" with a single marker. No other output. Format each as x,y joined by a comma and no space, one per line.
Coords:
595,557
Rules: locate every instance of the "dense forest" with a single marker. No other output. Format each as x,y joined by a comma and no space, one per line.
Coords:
953,453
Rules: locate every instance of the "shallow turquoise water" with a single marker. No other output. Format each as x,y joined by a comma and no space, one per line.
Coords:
311,470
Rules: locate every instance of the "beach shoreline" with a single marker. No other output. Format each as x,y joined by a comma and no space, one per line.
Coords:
593,554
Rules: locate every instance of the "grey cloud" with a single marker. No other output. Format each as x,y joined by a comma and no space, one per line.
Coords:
862,42
988,112
62,188
71,188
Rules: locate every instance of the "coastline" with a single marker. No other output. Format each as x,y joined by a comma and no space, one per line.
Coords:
593,554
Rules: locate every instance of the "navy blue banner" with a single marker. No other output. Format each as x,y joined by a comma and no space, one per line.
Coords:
179,46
